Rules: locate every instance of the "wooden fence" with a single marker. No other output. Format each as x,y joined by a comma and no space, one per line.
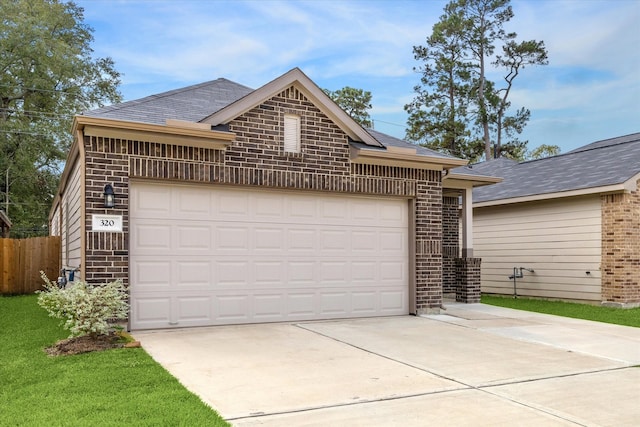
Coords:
21,261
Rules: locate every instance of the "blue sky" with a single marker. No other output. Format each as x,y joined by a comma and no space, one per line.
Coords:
589,91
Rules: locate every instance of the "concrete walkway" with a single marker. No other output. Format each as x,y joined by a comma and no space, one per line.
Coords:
473,365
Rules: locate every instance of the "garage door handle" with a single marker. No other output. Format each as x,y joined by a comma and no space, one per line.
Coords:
173,323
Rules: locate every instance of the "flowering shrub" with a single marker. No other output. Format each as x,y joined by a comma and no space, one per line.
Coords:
84,309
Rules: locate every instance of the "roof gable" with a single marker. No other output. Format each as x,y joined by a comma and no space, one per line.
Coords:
309,89
592,168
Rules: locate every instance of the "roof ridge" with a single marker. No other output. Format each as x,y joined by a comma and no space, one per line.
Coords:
584,148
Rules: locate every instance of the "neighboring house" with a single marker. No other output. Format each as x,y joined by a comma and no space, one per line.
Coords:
235,205
573,218
5,224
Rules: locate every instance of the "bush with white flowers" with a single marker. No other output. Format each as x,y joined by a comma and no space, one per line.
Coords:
84,309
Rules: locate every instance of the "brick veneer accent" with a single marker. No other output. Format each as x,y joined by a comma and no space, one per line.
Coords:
256,158
621,249
468,277
450,242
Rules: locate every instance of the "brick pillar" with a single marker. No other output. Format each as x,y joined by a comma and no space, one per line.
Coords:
621,249
468,277
428,232
450,242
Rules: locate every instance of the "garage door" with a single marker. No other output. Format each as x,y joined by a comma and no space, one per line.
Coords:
210,255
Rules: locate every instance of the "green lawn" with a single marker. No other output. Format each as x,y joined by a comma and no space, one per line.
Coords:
110,388
618,316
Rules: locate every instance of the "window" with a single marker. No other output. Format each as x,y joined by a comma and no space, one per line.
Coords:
291,133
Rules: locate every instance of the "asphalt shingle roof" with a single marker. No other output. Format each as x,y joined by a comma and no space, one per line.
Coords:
197,102
608,162
192,103
388,140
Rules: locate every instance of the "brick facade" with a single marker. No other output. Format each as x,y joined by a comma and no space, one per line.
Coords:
621,249
256,158
450,242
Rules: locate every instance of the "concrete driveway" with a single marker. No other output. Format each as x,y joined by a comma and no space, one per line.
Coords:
474,365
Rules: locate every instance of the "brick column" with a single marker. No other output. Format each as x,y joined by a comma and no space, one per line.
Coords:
429,244
468,277
450,242
621,249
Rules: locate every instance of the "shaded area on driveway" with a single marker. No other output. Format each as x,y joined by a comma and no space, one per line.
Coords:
475,364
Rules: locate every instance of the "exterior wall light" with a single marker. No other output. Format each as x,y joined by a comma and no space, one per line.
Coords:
109,196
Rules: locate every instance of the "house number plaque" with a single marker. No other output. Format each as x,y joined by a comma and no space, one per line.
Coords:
111,223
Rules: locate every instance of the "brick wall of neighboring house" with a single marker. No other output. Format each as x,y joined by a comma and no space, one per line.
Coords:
621,249
450,242
256,158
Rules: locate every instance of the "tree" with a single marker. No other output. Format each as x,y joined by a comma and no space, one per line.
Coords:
485,20
438,113
543,151
355,102
516,56
48,75
483,107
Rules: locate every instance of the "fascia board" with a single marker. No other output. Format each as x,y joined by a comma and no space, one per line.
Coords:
457,180
402,159
180,135
616,188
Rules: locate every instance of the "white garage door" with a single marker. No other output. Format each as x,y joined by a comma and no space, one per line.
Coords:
209,255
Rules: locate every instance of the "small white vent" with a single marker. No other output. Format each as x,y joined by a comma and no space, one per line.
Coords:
291,133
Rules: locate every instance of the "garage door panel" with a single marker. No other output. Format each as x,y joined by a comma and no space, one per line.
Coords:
365,302
151,274
232,308
364,242
231,273
193,274
334,241
392,241
334,304
333,272
268,239
231,205
334,210
192,203
269,307
393,214
268,273
364,272
266,207
191,237
221,255
363,213
394,271
232,238
151,312
150,201
152,237
301,240
302,305
302,207
195,309
393,301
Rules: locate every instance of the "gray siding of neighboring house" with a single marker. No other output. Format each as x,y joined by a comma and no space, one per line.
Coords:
559,239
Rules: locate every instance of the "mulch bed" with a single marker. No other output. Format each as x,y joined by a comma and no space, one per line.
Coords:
87,343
